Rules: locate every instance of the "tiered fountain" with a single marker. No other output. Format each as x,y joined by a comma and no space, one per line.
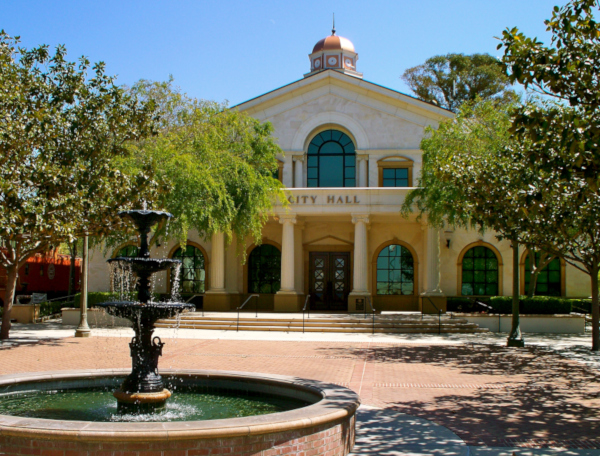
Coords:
234,412
144,388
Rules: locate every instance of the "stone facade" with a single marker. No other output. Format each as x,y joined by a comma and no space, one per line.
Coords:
386,128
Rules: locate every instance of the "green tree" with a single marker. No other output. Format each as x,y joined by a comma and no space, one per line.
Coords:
564,136
467,180
60,132
215,164
450,80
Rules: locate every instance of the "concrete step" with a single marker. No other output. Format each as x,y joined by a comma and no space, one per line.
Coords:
332,329
334,324
319,323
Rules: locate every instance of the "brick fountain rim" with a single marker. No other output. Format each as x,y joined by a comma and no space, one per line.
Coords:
336,404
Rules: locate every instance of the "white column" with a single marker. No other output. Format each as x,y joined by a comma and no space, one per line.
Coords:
360,253
287,253
217,263
362,170
433,262
298,172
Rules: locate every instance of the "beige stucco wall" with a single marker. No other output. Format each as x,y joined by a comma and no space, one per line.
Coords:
383,123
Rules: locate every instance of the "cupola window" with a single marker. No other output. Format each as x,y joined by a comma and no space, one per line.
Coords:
331,160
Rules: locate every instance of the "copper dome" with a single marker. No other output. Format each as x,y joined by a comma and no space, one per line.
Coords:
334,43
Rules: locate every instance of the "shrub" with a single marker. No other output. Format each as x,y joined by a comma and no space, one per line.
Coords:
463,304
536,305
96,297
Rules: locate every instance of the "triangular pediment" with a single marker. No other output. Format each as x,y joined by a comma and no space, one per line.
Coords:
349,88
329,240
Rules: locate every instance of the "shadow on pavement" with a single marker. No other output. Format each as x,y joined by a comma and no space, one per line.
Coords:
538,395
388,432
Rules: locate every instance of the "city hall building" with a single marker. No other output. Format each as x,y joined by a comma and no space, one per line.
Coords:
351,155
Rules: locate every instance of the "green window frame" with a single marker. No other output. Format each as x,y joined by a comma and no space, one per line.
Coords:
331,160
549,280
264,269
395,271
480,272
192,278
395,177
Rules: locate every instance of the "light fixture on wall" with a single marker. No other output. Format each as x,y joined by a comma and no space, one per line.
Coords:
448,236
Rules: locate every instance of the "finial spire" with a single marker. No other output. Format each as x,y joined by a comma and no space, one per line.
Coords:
333,29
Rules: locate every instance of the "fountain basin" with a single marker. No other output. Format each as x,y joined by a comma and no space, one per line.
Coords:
324,426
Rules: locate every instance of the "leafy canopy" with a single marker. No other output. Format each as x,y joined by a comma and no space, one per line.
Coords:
563,136
215,164
450,80
61,131
466,180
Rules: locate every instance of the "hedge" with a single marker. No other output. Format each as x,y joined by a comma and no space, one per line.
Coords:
536,305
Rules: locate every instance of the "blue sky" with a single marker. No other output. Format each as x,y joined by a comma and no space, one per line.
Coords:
236,50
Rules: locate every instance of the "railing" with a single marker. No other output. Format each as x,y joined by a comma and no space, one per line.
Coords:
368,300
242,306
439,313
194,296
587,320
304,309
62,299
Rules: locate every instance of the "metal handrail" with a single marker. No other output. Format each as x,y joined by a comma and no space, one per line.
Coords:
368,299
439,314
192,297
241,307
479,303
303,309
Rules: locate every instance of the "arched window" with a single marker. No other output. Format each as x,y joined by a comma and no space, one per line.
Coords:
264,269
331,160
193,274
548,279
395,271
130,250
479,272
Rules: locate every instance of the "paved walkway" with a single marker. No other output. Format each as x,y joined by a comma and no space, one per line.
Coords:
426,394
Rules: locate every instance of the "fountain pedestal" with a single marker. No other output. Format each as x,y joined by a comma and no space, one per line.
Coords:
143,389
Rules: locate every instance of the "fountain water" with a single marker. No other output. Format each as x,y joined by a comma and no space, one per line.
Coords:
67,411
144,387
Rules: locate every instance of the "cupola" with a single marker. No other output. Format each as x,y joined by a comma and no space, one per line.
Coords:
334,53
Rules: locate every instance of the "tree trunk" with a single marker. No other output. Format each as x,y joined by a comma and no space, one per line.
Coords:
515,338
595,311
11,286
532,283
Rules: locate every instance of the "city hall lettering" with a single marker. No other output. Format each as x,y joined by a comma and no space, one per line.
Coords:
331,199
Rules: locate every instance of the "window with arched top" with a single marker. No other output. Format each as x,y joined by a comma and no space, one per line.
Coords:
192,278
331,160
264,269
549,279
129,250
480,272
395,271
395,172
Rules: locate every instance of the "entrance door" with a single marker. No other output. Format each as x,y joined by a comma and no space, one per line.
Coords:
329,283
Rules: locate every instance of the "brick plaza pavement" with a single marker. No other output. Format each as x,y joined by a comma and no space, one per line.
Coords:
486,394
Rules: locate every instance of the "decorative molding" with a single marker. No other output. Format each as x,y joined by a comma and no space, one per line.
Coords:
331,117
287,218
360,218
318,241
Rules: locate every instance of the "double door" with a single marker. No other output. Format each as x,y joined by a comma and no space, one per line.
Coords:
329,280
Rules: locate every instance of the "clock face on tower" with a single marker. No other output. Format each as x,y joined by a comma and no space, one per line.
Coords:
317,63
348,62
331,61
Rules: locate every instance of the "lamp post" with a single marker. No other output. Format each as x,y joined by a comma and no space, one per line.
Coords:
83,330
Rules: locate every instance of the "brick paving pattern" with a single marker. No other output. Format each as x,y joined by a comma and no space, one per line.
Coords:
486,394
